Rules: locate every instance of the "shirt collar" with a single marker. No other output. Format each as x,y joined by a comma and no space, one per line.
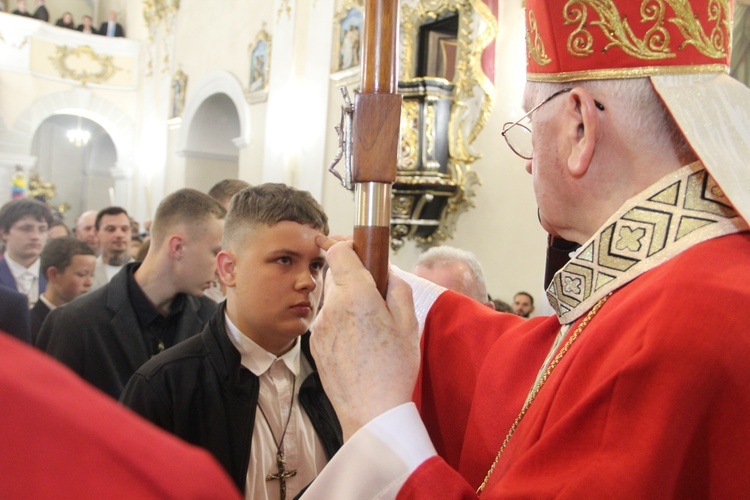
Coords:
47,303
17,269
255,358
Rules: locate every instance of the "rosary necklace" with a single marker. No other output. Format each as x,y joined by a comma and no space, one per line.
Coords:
538,387
282,475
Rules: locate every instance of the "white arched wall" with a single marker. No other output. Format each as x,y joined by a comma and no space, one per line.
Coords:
113,120
218,82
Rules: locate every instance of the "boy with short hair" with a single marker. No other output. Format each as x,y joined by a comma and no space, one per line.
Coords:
107,334
68,264
24,224
247,388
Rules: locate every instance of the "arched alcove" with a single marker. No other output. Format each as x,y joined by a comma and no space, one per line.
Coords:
75,167
114,123
210,154
215,126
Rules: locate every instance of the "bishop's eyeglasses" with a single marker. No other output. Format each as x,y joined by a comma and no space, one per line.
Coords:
518,134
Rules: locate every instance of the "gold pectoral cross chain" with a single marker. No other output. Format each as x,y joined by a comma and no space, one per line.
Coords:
282,475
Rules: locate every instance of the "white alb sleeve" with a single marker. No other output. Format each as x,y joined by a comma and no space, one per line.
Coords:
376,461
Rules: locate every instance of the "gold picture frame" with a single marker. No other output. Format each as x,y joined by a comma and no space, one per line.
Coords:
178,91
347,41
259,54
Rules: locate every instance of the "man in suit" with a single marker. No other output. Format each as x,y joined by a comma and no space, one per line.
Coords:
107,334
111,27
41,12
24,224
14,313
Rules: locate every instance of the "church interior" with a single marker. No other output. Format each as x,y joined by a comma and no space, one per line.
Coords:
199,91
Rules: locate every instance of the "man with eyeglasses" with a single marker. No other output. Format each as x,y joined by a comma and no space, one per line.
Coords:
639,386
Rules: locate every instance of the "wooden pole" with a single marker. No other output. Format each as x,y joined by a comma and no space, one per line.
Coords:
375,137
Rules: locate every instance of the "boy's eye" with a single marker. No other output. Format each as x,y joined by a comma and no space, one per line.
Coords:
317,266
284,260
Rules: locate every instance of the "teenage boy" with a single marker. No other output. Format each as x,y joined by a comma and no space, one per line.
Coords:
247,388
107,334
68,264
24,224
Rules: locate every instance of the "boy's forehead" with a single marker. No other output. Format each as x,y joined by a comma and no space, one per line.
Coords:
280,233
26,219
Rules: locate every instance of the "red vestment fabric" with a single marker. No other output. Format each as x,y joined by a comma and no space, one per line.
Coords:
651,401
61,438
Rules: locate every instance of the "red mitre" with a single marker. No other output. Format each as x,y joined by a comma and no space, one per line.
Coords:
569,40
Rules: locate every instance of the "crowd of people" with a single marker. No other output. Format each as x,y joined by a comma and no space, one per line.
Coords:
637,386
110,27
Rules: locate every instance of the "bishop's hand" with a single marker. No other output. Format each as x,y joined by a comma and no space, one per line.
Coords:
366,349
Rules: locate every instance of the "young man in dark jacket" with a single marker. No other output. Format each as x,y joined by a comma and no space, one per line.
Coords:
247,388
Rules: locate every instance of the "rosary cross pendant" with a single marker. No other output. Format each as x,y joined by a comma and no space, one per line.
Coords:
282,475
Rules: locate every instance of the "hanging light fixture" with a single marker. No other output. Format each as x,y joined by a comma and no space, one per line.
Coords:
78,136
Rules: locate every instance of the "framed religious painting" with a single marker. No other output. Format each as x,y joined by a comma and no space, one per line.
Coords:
259,53
347,40
179,83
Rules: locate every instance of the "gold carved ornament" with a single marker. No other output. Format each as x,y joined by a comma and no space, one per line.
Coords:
656,42
469,73
66,55
477,29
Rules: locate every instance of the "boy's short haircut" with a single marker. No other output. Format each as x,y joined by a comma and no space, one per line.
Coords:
270,204
108,211
223,190
59,253
188,206
15,210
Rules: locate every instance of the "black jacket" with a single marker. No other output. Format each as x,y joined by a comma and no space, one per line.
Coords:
99,337
199,391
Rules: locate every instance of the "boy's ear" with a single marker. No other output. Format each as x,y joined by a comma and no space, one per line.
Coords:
52,273
584,134
176,246
225,268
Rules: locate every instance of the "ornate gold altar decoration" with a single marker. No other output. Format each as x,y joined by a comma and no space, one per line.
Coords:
160,14
83,64
421,183
44,192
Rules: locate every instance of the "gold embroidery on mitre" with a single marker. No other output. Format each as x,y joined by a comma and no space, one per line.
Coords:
535,48
655,44
714,45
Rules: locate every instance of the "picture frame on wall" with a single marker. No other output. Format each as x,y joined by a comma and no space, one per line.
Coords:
179,85
259,53
347,40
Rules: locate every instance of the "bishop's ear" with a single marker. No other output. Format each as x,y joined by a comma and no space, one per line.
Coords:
584,130
226,268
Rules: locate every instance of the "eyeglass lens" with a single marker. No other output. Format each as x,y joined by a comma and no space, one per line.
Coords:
519,138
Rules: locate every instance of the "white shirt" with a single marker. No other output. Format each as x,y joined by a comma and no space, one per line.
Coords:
27,278
303,450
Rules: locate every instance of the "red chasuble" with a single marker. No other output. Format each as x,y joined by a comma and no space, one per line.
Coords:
651,401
